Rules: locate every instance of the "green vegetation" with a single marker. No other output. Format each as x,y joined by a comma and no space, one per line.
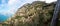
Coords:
34,14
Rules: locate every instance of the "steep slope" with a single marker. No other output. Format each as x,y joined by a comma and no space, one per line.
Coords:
34,14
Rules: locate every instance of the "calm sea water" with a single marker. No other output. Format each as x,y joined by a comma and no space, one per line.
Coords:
3,18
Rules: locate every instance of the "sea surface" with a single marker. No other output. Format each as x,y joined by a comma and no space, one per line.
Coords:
3,18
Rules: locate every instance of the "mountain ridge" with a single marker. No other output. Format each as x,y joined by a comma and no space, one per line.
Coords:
35,14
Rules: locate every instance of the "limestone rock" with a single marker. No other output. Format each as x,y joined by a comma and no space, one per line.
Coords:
35,14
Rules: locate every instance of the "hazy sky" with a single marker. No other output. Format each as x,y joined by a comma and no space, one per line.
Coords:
8,7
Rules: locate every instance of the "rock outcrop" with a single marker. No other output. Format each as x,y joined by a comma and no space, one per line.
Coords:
35,14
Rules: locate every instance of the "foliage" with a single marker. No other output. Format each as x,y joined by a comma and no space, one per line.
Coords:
35,14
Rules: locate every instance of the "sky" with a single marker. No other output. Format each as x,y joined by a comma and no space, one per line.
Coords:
9,7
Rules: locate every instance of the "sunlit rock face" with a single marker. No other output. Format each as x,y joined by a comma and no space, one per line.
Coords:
35,14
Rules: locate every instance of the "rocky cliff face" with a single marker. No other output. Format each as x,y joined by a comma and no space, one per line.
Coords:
35,14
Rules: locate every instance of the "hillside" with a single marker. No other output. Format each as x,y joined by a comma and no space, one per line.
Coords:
35,14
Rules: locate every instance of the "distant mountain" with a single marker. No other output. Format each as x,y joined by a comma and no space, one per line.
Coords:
35,14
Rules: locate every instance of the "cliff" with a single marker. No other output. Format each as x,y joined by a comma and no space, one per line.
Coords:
35,14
